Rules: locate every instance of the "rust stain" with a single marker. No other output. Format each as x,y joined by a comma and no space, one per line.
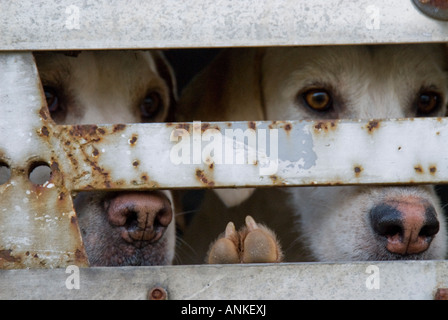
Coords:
83,130
185,126
54,166
95,152
441,294
276,180
7,256
372,125
79,255
43,113
205,126
61,196
44,131
418,169
358,170
144,177
252,125
203,178
136,163
133,140
432,169
325,126
118,127
211,165
288,127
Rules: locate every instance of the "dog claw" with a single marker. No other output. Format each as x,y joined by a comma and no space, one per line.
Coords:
253,243
225,249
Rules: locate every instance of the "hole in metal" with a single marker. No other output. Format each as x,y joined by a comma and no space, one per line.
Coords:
40,173
5,173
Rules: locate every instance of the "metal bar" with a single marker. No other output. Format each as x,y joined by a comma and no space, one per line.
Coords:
38,225
363,280
76,24
262,153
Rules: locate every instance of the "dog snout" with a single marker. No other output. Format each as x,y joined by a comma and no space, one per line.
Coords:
142,216
407,227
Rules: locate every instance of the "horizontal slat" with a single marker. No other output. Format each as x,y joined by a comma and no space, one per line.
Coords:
295,153
363,280
71,25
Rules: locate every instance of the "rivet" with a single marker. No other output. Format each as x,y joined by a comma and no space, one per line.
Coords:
157,293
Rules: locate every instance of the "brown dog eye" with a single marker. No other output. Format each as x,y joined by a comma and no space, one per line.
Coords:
318,99
428,102
151,105
52,99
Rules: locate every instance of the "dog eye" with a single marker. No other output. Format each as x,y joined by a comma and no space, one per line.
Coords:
150,106
52,99
428,102
318,99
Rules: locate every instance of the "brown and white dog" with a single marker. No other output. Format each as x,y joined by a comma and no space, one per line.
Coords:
295,83
99,87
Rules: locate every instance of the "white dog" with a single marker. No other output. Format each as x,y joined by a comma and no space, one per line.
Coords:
98,87
295,83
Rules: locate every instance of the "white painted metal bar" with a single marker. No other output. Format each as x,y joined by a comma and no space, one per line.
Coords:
414,280
287,153
37,223
91,24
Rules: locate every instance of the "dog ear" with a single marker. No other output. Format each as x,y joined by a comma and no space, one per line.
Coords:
165,70
228,89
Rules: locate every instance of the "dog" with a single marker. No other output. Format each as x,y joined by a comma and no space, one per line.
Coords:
340,223
123,86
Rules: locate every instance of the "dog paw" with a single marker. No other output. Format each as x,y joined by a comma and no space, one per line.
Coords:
253,243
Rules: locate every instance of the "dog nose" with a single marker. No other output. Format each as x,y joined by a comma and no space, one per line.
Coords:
142,216
408,226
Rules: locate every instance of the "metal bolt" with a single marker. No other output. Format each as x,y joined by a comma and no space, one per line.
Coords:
441,294
157,293
437,9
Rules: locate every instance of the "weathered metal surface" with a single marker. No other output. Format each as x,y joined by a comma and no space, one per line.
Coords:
363,280
71,25
38,225
281,153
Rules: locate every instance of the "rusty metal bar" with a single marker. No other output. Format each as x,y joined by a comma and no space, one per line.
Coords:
262,153
38,225
75,25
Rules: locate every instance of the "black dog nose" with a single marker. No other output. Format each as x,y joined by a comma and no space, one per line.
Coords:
408,226
144,216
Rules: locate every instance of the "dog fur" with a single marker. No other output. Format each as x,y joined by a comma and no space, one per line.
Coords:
365,82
